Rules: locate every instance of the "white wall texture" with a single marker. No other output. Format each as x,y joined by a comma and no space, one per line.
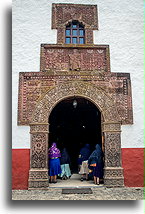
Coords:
120,26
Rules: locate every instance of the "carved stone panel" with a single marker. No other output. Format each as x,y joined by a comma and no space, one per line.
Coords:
111,127
113,177
67,57
113,172
36,184
112,149
39,145
38,179
38,174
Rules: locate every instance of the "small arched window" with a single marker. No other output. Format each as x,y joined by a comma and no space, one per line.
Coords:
75,33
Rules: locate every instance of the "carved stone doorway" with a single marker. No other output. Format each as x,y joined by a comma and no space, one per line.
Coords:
39,130
74,122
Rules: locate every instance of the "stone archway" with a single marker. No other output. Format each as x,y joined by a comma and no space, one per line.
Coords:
39,130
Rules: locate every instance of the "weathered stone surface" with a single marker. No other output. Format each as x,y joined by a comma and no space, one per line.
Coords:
106,89
62,14
75,57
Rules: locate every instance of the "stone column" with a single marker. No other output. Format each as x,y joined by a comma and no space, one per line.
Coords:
38,174
113,171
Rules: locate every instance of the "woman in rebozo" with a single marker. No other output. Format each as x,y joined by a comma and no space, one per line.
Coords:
54,163
84,155
65,165
96,161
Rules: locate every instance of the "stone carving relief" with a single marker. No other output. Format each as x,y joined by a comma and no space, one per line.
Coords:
73,89
37,128
38,149
111,86
74,62
111,127
112,149
62,57
37,174
38,184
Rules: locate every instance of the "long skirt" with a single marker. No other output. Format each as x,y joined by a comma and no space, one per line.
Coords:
54,167
98,171
65,170
84,168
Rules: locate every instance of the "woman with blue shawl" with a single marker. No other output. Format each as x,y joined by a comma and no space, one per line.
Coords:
65,165
83,161
54,163
96,161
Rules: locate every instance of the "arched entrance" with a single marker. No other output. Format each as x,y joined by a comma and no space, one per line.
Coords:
39,130
74,122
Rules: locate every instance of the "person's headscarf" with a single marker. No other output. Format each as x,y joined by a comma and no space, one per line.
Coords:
53,151
85,152
65,159
96,155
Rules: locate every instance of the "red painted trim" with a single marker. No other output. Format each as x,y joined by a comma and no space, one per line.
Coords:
133,164
20,168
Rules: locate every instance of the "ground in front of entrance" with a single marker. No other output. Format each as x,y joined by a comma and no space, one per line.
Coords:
100,192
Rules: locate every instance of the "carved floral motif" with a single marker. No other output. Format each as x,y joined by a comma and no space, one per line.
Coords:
65,58
106,90
38,150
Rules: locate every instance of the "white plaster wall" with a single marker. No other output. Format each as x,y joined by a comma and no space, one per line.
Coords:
120,26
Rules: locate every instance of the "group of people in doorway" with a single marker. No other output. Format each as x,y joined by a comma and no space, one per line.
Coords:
88,163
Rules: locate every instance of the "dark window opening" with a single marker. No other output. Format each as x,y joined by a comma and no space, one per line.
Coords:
75,33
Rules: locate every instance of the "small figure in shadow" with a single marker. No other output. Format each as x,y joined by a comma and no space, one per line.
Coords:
83,161
95,162
65,165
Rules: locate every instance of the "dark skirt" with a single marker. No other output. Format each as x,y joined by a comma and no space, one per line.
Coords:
54,167
98,171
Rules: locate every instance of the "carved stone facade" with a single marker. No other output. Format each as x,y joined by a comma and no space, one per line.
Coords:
33,86
74,71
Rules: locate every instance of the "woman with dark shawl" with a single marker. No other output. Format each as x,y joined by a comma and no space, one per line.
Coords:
96,160
83,160
65,162
54,163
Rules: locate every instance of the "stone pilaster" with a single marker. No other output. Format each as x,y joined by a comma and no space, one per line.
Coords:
38,174
113,171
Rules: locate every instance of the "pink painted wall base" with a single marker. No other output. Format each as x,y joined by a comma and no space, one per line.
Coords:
20,168
133,164
132,161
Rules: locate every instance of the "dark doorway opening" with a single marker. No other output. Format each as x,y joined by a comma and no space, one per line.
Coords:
74,122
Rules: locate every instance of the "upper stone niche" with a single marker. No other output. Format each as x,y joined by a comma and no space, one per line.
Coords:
62,14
